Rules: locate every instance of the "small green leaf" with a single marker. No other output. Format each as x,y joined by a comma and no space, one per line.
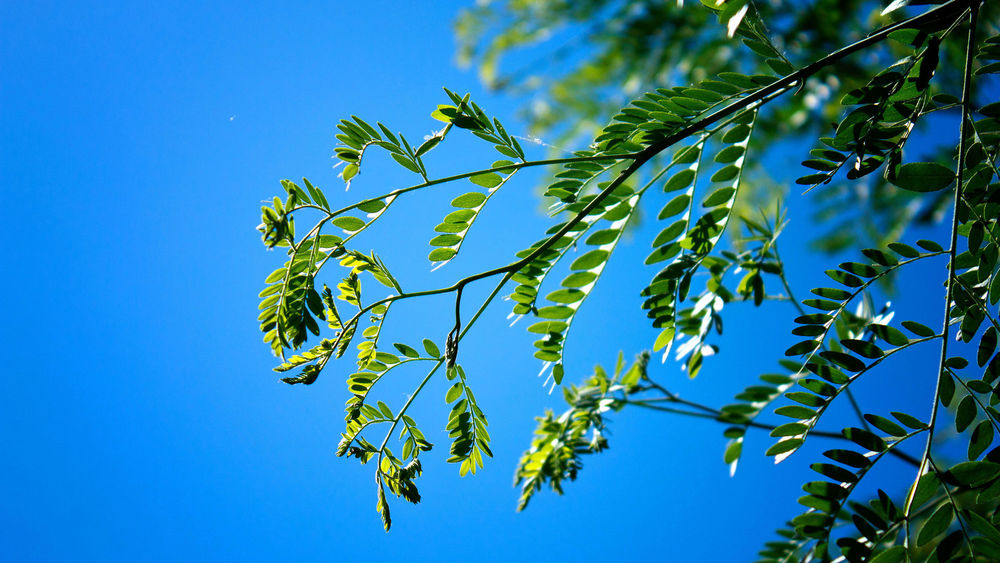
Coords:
405,162
431,348
844,278
469,200
904,250
846,361
885,425
566,295
445,240
865,439
803,347
718,197
966,413
441,254
987,345
726,173
795,411
848,457
859,269
981,438
679,180
454,392
918,329
348,223
349,171
895,554
674,206
372,206
956,362
889,334
936,525
386,411
784,446
489,180
831,293
590,260
930,245
405,350
910,421
790,429
923,177
579,279
863,348
822,304
974,473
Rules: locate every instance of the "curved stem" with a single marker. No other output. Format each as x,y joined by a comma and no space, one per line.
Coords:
715,414
440,361
949,283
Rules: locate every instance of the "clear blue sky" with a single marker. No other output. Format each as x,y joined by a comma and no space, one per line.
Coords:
140,420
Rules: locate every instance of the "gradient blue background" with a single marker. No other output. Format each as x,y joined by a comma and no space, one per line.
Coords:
139,418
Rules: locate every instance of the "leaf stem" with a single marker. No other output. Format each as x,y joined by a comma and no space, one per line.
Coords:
715,414
949,283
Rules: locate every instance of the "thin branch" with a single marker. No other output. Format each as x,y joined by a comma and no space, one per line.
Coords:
716,415
966,90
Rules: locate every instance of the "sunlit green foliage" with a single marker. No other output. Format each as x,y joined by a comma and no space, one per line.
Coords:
696,142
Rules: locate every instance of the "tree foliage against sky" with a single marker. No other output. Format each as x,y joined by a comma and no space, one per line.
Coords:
748,76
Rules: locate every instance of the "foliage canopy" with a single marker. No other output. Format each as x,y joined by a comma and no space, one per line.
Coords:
700,143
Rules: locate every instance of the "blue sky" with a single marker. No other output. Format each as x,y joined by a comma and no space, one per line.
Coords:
140,418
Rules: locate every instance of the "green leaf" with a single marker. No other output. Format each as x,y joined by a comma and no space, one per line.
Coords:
590,260
784,446
862,270
863,348
726,173
372,206
454,392
929,245
865,439
974,473
445,240
895,554
431,348
718,197
441,254
848,457
469,200
674,206
349,224
795,411
981,438
489,180
903,250
936,525
405,350
350,171
803,347
966,413
831,293
835,472
987,345
405,162
846,361
910,421
844,278
679,180
579,279
790,429
885,425
889,334
566,295
918,329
